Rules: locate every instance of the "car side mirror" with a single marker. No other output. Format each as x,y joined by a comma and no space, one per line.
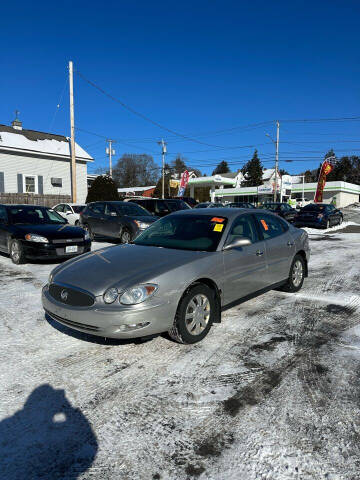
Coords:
240,242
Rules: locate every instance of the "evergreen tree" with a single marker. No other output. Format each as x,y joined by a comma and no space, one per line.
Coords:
103,188
223,167
179,166
253,171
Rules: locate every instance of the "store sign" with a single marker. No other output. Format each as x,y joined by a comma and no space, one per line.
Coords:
265,189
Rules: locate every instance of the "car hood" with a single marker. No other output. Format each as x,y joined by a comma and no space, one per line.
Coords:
121,266
50,231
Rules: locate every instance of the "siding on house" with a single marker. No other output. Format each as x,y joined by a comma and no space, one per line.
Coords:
16,166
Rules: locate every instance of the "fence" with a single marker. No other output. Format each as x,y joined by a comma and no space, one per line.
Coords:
33,199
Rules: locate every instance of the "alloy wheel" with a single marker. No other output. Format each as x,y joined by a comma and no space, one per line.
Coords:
197,314
125,237
297,273
15,251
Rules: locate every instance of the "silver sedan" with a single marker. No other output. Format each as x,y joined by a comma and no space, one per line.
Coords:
178,275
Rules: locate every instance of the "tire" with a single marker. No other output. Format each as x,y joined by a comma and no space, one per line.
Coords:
199,302
294,281
16,252
327,224
76,223
90,232
340,220
125,236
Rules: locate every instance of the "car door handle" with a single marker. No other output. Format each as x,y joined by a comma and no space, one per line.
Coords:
290,244
259,253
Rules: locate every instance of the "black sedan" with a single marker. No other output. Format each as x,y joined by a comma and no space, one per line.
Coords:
161,207
34,232
118,220
319,215
282,209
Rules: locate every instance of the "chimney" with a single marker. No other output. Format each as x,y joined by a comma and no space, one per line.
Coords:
16,124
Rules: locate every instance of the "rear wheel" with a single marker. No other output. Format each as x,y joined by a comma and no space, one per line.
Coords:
341,220
125,236
194,316
16,252
296,276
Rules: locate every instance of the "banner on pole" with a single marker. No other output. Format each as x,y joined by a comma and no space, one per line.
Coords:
326,168
183,183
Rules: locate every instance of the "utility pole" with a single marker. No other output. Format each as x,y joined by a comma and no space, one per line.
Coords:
163,153
110,152
277,159
72,131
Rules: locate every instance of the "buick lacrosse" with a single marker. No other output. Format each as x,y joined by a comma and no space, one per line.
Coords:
178,275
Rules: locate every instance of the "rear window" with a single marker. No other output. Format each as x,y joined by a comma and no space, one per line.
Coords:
313,207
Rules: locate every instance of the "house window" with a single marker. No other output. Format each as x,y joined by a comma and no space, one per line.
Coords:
30,184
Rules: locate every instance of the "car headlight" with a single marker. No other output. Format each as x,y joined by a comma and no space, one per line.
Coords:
110,295
32,237
86,236
138,294
50,279
141,225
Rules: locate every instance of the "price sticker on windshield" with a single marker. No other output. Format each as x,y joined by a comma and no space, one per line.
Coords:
218,219
264,224
218,227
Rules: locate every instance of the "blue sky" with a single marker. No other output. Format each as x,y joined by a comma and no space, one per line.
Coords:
195,67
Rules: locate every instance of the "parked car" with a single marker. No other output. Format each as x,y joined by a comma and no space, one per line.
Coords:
33,232
189,200
240,205
161,207
70,211
209,205
320,215
179,274
120,220
284,210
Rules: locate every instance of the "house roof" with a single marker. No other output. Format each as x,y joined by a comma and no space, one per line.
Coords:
135,189
267,173
24,140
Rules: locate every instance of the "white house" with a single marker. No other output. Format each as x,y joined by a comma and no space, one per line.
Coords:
39,163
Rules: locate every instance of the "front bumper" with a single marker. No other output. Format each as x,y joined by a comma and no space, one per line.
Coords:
107,320
49,250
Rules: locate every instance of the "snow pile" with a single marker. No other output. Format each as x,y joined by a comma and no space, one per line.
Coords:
317,231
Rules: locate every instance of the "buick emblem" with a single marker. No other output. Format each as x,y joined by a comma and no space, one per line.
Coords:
64,295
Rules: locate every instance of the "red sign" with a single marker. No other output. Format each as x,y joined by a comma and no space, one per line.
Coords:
183,183
326,168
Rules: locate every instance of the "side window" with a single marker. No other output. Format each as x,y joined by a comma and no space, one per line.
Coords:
243,227
270,226
98,208
3,214
110,209
59,208
67,209
161,207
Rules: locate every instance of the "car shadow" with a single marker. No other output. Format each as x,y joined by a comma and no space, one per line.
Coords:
86,337
47,439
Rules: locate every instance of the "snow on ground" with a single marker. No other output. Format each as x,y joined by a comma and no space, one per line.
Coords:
317,231
272,392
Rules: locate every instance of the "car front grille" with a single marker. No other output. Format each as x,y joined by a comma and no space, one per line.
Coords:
67,241
71,296
71,323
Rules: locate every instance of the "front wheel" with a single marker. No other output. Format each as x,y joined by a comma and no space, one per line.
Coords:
87,228
341,220
16,252
296,275
125,236
194,316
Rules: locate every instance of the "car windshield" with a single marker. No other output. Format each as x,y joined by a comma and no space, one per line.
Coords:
132,210
184,232
78,208
176,205
272,207
33,215
313,208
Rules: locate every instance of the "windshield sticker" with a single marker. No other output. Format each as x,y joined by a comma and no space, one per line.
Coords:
264,224
217,219
218,227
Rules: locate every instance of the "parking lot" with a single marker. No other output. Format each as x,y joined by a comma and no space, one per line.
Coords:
273,392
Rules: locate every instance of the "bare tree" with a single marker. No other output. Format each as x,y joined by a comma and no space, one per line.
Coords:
135,170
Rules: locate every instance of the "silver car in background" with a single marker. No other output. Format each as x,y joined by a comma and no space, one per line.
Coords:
178,275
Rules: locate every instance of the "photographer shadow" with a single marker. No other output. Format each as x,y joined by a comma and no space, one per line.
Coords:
47,439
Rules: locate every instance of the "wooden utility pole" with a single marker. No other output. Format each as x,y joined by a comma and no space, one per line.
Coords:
277,160
72,129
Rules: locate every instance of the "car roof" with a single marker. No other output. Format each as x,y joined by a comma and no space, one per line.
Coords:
221,212
22,205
